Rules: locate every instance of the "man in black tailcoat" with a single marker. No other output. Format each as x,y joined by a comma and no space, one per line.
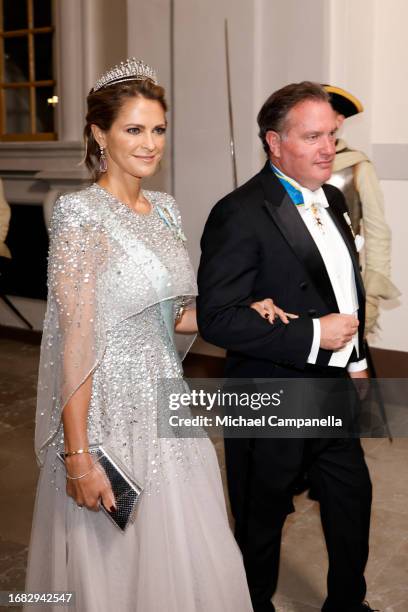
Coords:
282,236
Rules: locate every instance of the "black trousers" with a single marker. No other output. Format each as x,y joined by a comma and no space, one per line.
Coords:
262,474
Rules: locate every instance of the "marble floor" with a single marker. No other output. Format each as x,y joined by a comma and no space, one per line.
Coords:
304,563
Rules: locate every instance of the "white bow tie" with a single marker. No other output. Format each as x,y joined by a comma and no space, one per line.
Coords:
314,199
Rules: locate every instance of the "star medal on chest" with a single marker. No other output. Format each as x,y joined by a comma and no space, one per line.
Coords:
167,217
315,209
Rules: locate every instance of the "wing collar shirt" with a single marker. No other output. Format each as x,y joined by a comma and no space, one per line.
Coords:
312,207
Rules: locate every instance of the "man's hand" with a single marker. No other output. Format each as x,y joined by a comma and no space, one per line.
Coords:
336,330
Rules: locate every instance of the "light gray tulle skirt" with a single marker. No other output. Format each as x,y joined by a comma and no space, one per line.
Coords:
179,555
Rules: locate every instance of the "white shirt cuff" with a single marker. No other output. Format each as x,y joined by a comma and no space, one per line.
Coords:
314,351
357,366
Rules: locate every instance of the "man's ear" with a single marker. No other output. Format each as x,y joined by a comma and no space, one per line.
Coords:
99,135
274,142
339,120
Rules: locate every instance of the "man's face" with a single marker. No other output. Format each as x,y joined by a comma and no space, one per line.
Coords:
305,150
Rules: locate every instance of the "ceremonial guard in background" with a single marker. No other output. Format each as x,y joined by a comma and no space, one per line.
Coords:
355,175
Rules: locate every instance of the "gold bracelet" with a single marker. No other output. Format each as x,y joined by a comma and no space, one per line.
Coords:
80,451
180,310
81,476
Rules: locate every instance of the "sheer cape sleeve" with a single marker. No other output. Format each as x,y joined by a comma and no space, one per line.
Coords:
69,348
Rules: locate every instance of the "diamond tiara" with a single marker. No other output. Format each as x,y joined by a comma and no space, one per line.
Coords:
130,70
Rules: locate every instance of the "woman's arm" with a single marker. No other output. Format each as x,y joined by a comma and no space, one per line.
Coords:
74,418
74,259
187,323
87,482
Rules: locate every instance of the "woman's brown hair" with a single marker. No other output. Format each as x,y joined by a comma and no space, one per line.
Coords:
103,108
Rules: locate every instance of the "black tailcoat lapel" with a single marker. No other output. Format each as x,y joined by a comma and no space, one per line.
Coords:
337,215
290,224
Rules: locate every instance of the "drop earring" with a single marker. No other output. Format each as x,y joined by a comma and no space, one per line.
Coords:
103,164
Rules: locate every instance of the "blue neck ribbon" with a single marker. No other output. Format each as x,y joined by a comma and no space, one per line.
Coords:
294,192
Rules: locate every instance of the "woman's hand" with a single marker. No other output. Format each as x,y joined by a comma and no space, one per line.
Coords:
89,490
268,310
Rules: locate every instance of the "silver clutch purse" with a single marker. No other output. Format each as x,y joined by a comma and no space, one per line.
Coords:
126,489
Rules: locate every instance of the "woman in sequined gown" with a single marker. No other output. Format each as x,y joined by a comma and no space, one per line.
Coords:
118,268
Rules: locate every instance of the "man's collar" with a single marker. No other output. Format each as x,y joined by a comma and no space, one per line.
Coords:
300,195
292,187
280,174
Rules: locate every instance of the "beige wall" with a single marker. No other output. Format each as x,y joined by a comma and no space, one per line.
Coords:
203,168
91,37
389,70
390,127
263,57
148,38
105,37
368,53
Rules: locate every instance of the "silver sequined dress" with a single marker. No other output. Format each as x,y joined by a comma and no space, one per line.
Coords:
114,277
